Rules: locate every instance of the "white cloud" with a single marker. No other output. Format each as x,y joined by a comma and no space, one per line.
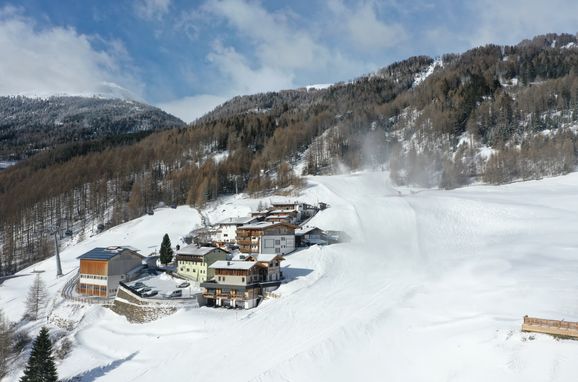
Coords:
282,52
152,9
511,21
368,33
360,25
190,108
55,60
278,44
243,78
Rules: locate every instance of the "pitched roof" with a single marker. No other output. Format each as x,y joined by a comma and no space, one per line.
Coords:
237,221
304,230
194,250
223,264
101,253
268,257
271,217
263,225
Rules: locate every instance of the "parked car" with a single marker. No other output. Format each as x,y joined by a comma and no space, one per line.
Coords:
139,284
184,285
176,293
143,290
150,293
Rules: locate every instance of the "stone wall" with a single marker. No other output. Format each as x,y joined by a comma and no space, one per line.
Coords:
140,310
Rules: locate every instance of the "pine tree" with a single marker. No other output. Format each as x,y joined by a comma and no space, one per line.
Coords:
40,367
166,252
36,300
5,344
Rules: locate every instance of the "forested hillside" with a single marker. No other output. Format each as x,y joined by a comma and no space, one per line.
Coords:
32,125
493,113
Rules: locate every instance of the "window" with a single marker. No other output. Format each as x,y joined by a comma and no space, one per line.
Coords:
188,269
277,242
283,238
225,235
277,250
242,279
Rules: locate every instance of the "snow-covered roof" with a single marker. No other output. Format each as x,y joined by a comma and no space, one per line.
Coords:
237,220
257,225
304,230
242,265
268,257
194,250
263,225
283,211
101,253
278,217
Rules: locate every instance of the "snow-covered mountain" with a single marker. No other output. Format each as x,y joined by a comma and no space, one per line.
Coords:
29,125
432,286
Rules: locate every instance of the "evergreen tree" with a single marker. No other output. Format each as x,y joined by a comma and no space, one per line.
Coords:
5,344
166,252
36,300
40,367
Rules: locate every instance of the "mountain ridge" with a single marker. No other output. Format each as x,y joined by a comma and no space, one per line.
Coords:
493,114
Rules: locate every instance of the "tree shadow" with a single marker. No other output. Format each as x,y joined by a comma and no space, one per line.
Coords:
93,374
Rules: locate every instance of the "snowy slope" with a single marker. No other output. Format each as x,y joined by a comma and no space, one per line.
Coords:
432,287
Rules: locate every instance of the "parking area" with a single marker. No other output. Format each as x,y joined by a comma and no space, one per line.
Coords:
164,286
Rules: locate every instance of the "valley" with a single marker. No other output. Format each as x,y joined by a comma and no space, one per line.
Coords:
432,286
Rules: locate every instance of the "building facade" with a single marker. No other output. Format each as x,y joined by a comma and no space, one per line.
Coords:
235,284
193,262
266,237
243,283
101,270
226,232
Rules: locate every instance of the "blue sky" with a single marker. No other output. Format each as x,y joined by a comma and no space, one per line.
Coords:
188,56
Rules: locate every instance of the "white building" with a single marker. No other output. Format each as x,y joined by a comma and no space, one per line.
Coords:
266,237
226,232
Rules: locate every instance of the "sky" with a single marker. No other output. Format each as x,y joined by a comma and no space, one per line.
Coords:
187,57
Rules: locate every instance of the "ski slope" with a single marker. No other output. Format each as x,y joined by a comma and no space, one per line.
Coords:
432,287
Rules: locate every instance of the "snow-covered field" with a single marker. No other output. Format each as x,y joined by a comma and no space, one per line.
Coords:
432,287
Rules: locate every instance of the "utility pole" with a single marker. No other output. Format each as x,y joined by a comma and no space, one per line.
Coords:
58,264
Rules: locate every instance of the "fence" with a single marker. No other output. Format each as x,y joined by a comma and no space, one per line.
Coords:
554,327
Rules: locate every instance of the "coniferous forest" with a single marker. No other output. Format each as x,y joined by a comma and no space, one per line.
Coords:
493,114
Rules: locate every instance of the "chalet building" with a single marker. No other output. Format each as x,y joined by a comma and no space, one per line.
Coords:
242,284
269,266
266,237
305,236
259,215
101,270
286,206
236,284
226,230
283,216
193,262
301,210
